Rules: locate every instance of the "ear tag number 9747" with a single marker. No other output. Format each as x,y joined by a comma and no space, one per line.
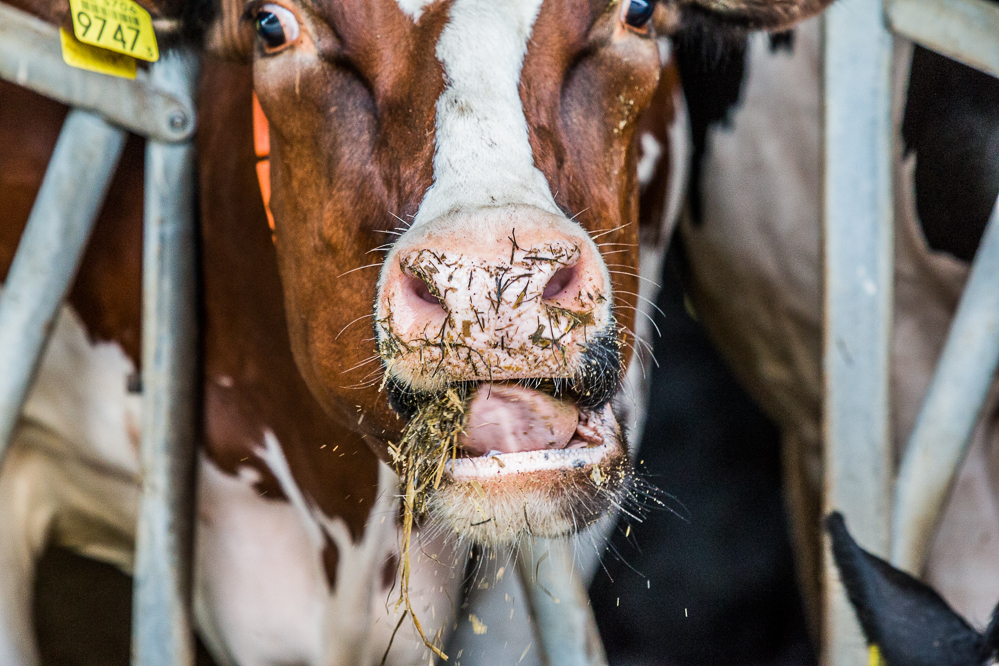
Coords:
121,26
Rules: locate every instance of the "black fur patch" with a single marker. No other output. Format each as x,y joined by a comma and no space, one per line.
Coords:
712,69
951,123
782,41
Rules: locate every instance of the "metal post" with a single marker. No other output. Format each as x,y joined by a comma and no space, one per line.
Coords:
161,629
965,30
942,434
49,253
858,253
31,57
564,626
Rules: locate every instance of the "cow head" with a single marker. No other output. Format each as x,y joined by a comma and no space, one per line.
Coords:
455,196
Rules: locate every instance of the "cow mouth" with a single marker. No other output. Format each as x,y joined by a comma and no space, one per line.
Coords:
512,429
495,461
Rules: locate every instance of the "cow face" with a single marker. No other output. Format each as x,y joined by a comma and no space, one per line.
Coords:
458,176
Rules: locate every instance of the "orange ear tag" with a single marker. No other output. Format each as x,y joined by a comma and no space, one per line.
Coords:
262,148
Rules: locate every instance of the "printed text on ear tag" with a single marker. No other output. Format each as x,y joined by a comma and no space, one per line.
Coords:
84,56
121,26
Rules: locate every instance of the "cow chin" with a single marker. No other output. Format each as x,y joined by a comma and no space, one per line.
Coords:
498,499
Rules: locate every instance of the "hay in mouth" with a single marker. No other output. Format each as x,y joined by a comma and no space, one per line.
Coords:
436,436
428,442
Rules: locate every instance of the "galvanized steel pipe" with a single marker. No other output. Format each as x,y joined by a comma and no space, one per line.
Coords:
161,626
965,30
564,626
942,434
49,253
858,255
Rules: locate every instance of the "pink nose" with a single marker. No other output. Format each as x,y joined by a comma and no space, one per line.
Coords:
500,298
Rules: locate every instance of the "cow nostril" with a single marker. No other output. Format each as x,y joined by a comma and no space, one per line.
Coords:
556,285
422,291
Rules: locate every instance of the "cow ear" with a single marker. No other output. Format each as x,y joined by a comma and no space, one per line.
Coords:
770,15
910,623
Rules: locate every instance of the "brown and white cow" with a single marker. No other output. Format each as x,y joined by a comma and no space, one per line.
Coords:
454,190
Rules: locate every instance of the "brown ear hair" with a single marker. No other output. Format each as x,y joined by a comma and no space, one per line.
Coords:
770,15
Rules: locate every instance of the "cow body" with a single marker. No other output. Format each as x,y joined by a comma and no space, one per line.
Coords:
756,232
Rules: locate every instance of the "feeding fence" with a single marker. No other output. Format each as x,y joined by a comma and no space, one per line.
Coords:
894,516
158,105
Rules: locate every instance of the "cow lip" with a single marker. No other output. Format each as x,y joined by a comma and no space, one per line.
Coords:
580,452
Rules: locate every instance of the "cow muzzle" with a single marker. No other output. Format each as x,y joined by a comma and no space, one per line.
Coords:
508,311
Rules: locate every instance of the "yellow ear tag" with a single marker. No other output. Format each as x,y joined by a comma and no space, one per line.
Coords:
83,56
121,26
874,656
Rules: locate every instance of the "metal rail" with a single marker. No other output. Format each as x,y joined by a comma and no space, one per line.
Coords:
858,218
564,626
31,57
857,204
942,433
965,30
162,631
49,253
159,105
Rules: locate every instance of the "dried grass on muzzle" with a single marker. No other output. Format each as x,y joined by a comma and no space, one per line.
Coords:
429,441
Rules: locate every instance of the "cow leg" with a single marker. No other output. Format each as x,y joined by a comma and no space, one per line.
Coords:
25,519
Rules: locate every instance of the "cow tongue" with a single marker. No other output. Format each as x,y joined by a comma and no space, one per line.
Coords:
507,418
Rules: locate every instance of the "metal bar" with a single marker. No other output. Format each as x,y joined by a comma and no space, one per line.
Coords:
965,30
942,434
564,626
858,254
162,626
49,253
31,56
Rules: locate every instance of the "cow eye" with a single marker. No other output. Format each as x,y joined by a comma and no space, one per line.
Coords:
276,26
639,13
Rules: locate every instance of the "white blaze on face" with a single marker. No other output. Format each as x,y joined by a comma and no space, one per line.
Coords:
483,154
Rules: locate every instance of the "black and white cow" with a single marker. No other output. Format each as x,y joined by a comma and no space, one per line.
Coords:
751,238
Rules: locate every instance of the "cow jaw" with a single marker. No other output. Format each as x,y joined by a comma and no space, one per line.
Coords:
529,464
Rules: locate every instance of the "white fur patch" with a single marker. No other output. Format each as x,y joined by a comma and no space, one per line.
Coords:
81,394
414,7
261,594
652,150
483,154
